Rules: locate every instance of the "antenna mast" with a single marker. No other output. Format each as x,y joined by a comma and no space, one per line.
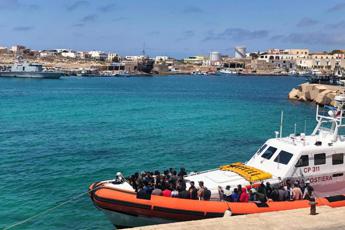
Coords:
281,123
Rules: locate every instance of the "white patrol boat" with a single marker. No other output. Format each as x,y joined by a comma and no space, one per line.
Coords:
23,69
318,157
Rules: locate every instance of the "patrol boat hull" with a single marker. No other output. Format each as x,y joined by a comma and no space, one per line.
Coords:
38,75
125,209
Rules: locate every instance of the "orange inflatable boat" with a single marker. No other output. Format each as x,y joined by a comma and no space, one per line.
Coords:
126,209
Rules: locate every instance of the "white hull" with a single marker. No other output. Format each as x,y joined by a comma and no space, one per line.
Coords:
39,75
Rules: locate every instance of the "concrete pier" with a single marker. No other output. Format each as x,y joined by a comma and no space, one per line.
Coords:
327,218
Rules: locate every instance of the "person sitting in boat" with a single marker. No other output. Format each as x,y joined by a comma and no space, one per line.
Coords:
193,192
244,197
174,192
147,187
157,190
227,194
167,192
252,194
234,196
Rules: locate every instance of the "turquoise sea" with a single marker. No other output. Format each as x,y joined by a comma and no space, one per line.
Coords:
59,136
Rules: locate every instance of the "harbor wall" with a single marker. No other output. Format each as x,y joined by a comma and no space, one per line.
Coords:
318,93
327,218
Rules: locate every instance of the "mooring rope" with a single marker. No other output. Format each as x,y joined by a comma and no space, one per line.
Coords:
48,210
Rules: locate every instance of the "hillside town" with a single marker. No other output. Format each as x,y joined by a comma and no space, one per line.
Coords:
99,63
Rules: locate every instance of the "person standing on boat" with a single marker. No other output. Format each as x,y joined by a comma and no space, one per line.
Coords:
193,192
308,191
296,192
201,190
239,189
269,190
261,193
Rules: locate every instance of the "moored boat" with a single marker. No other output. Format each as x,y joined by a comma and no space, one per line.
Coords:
23,69
316,159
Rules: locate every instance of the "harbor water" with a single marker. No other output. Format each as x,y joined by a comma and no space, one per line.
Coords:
59,136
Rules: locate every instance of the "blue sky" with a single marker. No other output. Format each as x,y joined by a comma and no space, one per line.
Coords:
177,28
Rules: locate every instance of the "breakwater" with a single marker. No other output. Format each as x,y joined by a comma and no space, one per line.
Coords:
318,93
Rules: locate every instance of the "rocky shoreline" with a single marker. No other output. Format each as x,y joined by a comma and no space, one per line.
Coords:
318,93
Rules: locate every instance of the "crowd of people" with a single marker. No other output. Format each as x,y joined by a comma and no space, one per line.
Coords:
171,183
284,192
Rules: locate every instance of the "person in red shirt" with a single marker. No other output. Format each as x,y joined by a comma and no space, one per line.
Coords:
244,197
166,192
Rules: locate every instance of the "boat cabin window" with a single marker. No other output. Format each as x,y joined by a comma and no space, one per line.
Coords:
320,159
283,157
269,152
261,149
338,159
303,161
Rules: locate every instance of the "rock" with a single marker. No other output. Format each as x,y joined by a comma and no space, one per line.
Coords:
322,98
321,94
315,90
303,97
330,96
294,94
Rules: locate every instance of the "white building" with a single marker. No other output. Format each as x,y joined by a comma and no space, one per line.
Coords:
98,55
287,54
47,53
111,56
161,58
135,58
69,54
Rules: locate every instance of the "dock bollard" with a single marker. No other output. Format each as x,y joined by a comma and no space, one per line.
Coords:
312,203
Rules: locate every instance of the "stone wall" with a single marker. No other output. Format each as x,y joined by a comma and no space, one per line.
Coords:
320,94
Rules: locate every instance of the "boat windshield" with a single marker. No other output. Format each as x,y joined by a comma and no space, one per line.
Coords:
283,157
262,148
269,153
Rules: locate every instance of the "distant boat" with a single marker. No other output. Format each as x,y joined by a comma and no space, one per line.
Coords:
335,78
227,71
23,69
